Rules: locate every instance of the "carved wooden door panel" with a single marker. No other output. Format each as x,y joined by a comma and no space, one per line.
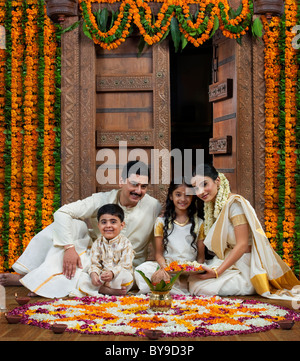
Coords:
222,93
132,110
238,116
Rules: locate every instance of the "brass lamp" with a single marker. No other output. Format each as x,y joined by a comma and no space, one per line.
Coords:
58,10
268,7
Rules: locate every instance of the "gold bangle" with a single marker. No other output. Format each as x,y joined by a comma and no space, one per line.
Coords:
71,246
216,273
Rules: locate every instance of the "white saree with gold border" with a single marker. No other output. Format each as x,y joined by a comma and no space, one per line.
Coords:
262,271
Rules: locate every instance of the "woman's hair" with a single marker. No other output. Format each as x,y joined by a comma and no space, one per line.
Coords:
170,214
206,170
212,210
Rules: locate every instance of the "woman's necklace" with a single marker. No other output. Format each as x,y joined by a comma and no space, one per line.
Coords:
182,224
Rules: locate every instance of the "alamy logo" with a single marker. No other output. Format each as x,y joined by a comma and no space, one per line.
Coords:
160,161
296,39
2,37
2,298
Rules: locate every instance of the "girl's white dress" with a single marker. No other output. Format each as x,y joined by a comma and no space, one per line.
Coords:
179,248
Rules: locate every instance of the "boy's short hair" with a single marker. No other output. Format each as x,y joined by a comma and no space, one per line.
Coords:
112,209
135,167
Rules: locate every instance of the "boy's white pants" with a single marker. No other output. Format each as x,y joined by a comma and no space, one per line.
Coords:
85,286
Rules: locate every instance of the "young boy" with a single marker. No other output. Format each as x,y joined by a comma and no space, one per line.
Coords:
111,256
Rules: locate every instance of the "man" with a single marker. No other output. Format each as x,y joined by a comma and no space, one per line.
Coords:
52,262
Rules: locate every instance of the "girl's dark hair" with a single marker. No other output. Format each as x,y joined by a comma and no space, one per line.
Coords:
112,209
170,215
206,170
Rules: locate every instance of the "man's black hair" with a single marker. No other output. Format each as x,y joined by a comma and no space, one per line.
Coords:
135,167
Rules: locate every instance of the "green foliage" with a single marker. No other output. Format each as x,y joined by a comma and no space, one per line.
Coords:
162,286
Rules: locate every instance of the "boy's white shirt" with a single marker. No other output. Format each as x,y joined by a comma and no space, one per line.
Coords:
111,255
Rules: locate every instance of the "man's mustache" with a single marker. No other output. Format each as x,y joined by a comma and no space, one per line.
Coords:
135,194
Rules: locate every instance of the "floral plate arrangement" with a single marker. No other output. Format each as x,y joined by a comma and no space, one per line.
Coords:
186,267
189,316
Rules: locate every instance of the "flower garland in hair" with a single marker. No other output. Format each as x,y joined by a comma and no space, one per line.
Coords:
213,209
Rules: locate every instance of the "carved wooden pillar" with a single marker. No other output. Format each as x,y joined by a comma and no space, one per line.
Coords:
251,123
259,128
70,124
244,166
87,116
77,115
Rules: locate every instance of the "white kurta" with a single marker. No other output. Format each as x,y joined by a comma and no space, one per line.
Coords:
42,260
179,248
114,255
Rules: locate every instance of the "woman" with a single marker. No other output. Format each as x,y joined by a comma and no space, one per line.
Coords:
244,262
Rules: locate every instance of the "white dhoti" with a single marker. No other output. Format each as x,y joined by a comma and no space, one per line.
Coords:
42,262
85,286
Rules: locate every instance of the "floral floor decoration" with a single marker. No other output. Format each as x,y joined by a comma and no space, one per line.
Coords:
189,316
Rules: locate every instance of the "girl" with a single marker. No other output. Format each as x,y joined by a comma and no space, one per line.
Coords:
244,261
178,237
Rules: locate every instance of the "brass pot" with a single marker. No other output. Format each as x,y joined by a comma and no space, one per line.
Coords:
160,301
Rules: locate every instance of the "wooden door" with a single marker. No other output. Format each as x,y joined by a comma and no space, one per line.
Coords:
237,94
110,97
132,110
238,115
222,93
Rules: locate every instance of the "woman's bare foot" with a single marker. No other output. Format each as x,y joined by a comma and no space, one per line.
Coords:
32,294
112,291
10,279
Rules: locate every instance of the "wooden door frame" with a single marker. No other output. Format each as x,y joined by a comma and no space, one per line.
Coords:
78,117
250,165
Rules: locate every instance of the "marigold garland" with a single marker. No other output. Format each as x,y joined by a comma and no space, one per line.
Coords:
296,251
49,122
291,70
29,119
16,133
212,14
281,110
272,77
30,123
2,137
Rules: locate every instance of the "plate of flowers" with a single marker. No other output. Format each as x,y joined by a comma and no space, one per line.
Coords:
185,267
